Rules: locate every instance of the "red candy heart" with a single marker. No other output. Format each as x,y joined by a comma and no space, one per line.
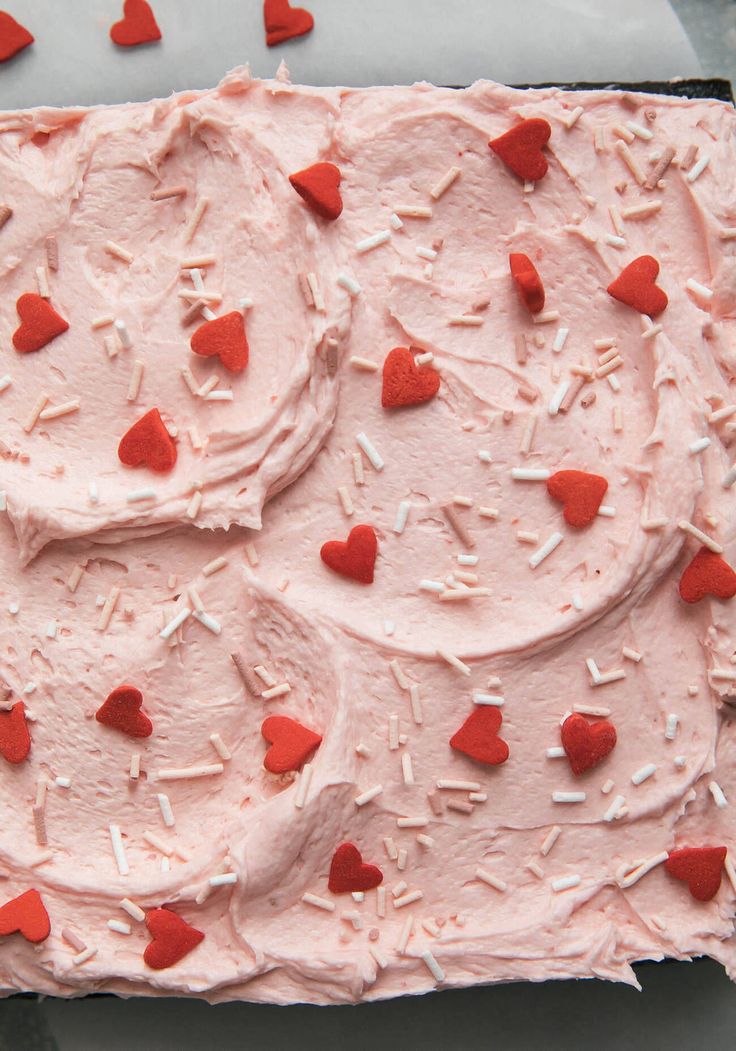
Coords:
528,282
348,871
707,574
39,323
699,867
404,383
13,37
586,744
283,22
635,287
580,493
319,187
225,337
148,444
172,939
291,743
122,711
137,26
15,740
520,148
478,737
25,915
355,557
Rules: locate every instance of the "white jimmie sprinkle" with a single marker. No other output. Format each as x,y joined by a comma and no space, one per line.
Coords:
698,168
490,880
432,966
118,850
368,795
717,792
444,183
373,241
349,284
549,840
546,549
454,661
565,883
319,903
402,514
614,808
370,451
643,773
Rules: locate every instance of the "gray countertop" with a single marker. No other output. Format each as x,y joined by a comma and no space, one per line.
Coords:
682,1005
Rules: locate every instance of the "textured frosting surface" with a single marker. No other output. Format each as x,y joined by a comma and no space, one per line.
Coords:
367,665
85,177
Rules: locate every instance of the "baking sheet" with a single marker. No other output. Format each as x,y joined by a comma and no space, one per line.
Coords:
355,42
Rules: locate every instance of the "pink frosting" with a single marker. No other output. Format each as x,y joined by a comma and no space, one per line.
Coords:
606,594
85,177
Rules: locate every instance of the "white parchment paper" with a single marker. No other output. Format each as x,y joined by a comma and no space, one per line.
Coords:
355,42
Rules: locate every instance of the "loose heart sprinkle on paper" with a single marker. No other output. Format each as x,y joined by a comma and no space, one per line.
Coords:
635,287
121,710
291,743
528,282
699,867
355,557
707,574
405,382
586,744
223,337
15,740
137,26
580,493
319,186
13,37
173,939
284,22
348,871
520,148
148,444
25,915
478,737
39,323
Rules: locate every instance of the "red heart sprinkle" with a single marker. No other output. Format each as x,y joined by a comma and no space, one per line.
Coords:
635,286
172,939
520,148
528,282
580,493
586,744
225,337
700,867
478,737
15,740
291,743
148,444
707,574
355,557
284,22
319,187
122,711
348,871
404,383
39,323
13,37
137,26
25,915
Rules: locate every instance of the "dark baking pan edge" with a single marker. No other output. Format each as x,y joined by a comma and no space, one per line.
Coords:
689,88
